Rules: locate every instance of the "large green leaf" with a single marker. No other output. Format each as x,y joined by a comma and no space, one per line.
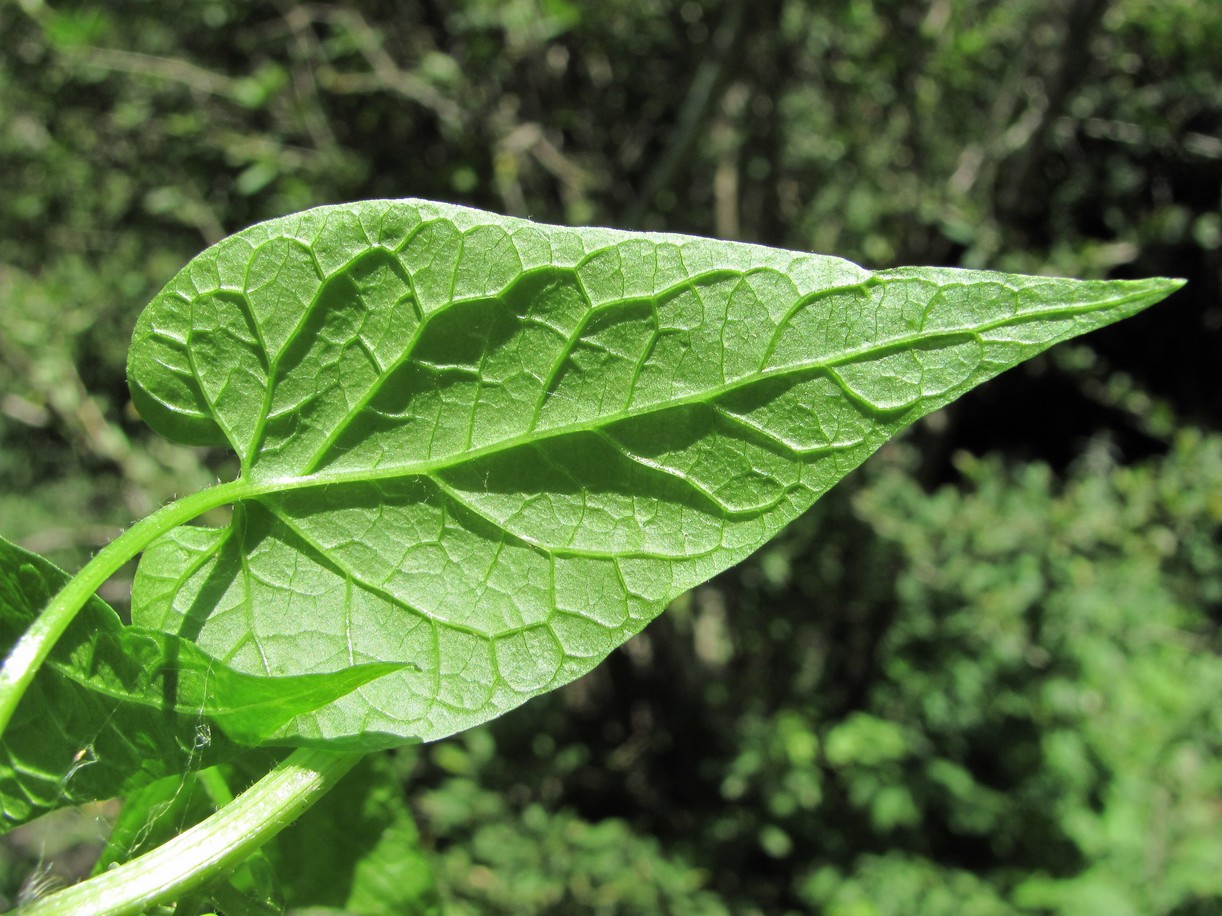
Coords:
497,449
115,707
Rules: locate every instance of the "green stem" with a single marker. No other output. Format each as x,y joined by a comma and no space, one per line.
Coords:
211,848
36,643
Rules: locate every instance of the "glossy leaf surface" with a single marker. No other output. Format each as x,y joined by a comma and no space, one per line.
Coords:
495,449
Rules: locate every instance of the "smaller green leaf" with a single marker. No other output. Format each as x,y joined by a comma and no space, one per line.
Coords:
117,707
144,666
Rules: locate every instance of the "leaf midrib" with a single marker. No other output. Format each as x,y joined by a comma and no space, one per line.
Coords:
432,467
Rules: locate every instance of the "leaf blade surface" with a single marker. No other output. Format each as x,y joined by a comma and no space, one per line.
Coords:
497,449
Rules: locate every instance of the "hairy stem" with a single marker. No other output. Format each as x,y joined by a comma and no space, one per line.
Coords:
36,643
211,848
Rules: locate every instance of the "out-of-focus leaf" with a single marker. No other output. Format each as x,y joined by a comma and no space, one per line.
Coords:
357,851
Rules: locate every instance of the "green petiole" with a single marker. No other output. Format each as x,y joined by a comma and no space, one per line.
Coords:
211,848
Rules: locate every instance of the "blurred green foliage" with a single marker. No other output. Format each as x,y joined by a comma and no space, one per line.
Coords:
982,677
997,697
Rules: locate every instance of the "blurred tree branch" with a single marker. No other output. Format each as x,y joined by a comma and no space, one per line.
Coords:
385,75
1017,197
701,94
